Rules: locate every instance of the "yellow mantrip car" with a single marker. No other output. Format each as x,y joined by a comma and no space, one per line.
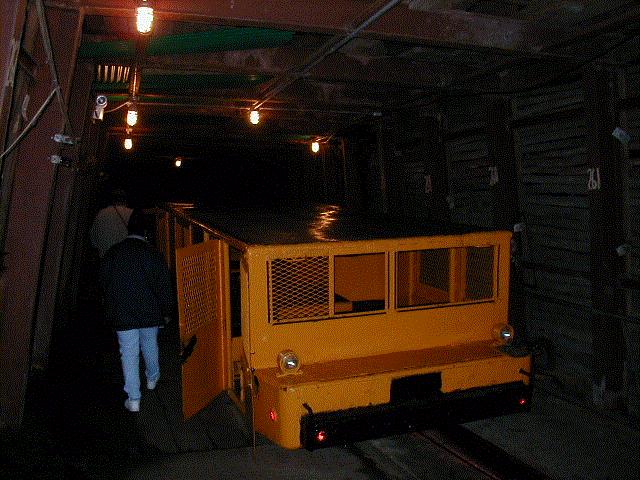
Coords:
326,328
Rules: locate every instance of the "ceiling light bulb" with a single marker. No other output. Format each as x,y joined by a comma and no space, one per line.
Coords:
128,143
254,117
315,147
132,116
144,17
178,162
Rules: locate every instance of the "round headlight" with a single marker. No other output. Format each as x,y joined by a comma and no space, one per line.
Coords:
504,333
288,362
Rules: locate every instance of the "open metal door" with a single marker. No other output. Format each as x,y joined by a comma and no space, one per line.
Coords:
203,307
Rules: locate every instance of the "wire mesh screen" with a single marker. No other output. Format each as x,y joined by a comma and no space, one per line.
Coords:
299,288
198,280
479,273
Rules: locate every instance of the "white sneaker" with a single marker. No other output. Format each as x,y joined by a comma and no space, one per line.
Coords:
132,405
152,384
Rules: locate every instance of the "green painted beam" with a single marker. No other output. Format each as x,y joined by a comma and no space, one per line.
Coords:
221,39
158,82
114,49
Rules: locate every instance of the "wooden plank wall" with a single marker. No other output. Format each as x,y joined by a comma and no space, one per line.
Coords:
416,155
553,130
404,173
550,142
633,127
468,162
630,122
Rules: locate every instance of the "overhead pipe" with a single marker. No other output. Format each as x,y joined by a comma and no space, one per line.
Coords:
333,45
134,82
141,45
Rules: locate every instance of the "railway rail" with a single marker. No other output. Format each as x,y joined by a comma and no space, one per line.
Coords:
481,454
453,452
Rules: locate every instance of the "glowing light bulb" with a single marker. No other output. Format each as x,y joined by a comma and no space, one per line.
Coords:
132,116
254,117
128,143
178,162
315,147
144,17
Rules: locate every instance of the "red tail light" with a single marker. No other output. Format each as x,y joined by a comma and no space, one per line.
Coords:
522,401
273,415
321,436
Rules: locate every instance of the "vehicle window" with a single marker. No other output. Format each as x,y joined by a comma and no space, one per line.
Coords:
444,275
359,283
479,272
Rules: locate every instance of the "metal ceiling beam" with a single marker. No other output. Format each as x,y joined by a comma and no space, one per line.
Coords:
441,27
224,107
233,129
333,45
338,67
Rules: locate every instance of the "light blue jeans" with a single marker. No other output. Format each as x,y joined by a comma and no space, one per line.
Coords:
131,343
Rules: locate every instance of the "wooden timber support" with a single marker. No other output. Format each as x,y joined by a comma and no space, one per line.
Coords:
505,200
436,169
606,206
36,231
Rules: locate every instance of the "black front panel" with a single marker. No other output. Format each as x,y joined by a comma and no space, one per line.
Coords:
355,424
416,387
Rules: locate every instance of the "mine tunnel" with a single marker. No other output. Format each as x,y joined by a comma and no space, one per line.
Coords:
512,116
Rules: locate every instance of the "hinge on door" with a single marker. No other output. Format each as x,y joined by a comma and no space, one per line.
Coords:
187,349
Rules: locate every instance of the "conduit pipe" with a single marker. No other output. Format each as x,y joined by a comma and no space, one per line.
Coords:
46,40
333,45
30,125
134,82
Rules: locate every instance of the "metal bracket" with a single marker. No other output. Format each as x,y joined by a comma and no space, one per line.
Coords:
187,350
25,106
594,179
428,187
450,202
623,249
15,48
622,136
308,408
493,175
66,139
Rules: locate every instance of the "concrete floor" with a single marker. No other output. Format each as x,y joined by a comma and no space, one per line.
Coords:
567,440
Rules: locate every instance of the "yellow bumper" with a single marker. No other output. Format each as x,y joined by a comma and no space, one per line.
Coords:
442,376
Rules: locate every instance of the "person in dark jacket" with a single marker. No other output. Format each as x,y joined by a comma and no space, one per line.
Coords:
110,225
138,298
